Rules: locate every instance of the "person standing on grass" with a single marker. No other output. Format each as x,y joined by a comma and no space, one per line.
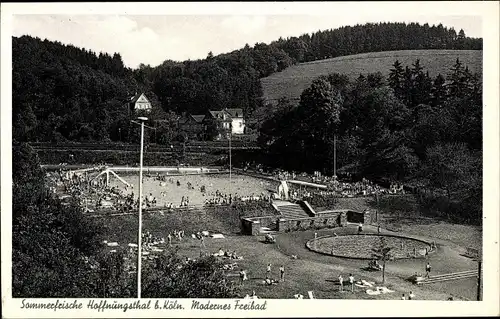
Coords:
242,276
360,228
268,271
428,270
282,272
351,281
411,296
403,297
169,237
202,240
341,283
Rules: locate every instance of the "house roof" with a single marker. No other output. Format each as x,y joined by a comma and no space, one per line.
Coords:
198,118
235,112
219,115
216,114
136,97
188,118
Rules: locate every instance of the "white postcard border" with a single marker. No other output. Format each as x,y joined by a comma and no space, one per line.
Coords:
279,308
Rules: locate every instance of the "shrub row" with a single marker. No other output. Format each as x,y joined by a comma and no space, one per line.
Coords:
126,158
156,147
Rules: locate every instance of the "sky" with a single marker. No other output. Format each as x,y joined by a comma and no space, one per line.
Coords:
152,39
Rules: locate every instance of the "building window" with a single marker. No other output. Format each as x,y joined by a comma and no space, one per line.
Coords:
241,124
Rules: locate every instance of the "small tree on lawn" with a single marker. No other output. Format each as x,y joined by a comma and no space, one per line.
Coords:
383,253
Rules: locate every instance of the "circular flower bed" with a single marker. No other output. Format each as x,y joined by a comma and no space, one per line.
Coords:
365,246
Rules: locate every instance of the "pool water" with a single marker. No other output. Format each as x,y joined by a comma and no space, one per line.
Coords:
168,192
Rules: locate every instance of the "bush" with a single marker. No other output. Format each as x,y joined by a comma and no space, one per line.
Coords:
170,276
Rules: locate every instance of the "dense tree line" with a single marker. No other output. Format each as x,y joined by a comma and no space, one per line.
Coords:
410,128
64,93
374,37
61,92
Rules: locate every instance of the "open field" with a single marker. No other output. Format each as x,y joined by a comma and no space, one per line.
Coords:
292,81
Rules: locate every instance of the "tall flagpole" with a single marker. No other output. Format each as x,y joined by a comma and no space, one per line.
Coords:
139,253
479,262
230,133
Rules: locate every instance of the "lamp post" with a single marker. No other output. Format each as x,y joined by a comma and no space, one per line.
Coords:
230,133
479,262
139,252
479,259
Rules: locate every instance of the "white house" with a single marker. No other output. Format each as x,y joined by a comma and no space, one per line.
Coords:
237,120
140,102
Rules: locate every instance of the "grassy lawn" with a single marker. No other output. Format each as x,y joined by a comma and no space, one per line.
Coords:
309,272
401,214
219,219
293,80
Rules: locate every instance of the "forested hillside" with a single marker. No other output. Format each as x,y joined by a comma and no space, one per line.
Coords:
410,127
64,93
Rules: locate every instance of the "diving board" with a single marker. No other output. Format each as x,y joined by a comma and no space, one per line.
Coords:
307,184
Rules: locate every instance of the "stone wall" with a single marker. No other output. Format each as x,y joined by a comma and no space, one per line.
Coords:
324,219
359,217
252,225
330,220
367,217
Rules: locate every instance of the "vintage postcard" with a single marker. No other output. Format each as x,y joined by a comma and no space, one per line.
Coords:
250,159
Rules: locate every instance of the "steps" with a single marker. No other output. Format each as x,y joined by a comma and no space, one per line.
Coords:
292,211
451,276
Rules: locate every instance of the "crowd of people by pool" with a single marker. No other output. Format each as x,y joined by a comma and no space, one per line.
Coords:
343,187
122,198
